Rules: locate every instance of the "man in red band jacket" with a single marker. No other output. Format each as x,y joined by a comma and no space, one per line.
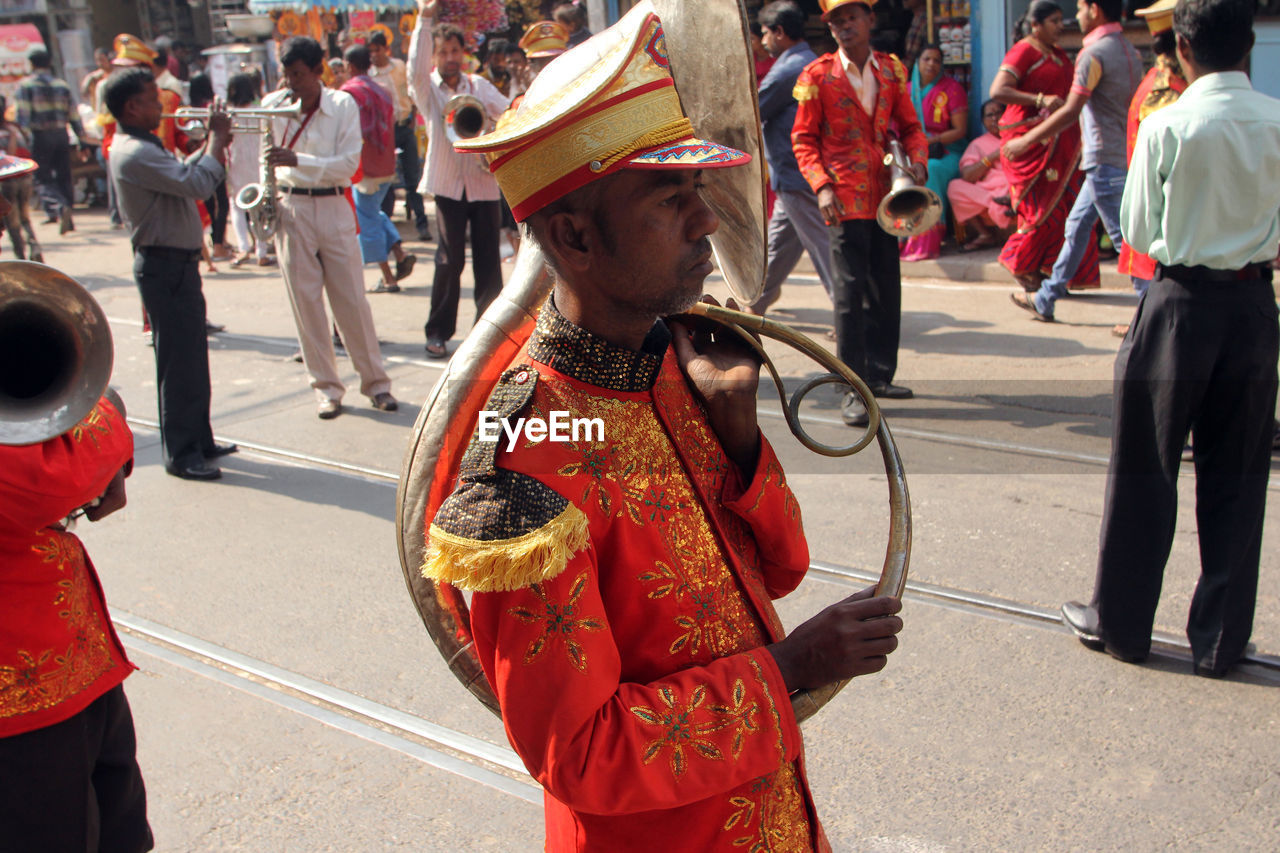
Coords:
624,577
848,102
68,776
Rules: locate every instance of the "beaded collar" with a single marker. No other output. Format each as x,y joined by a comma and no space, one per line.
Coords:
576,352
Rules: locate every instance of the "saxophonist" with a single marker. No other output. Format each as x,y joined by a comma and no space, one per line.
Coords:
157,194
314,158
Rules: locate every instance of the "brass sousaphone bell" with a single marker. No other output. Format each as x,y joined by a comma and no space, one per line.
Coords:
55,352
708,47
908,209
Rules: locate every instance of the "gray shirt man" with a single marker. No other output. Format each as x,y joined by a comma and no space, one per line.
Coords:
157,191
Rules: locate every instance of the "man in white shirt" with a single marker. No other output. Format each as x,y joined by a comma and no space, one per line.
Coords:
391,74
1201,352
314,158
464,190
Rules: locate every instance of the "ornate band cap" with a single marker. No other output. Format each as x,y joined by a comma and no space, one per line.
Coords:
12,166
544,39
610,103
829,6
1159,16
131,50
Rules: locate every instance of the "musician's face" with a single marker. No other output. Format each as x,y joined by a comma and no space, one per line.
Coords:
143,110
851,26
304,81
653,254
449,57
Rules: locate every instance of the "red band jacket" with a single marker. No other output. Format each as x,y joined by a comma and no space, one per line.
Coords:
836,143
623,585
58,649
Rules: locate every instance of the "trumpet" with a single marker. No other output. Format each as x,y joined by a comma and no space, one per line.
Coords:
908,209
194,121
464,118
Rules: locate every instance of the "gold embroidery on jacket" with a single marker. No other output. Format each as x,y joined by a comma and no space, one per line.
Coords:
686,726
561,622
43,679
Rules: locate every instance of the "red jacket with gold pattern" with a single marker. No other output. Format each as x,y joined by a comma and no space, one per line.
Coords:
1159,88
58,650
837,143
622,601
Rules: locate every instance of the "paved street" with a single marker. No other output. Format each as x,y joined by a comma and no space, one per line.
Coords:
290,699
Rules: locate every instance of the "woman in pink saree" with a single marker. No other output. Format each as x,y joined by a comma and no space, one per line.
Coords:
980,196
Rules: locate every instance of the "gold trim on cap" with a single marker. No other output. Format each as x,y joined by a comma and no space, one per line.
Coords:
593,138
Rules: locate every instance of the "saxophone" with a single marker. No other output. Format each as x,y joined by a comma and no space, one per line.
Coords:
258,200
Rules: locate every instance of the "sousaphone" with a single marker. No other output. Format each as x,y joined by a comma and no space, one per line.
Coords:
708,47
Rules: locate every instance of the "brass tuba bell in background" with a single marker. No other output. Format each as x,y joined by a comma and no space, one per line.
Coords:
464,118
908,209
55,352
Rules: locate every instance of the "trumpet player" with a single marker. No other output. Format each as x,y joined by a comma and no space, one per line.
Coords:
464,191
157,194
314,157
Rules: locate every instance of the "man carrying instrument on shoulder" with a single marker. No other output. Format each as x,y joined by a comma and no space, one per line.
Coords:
69,776
623,579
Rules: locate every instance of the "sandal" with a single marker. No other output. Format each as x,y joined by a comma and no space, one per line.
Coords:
436,349
1027,302
385,287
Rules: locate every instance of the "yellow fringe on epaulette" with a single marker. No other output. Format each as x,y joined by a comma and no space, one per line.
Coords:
804,93
504,565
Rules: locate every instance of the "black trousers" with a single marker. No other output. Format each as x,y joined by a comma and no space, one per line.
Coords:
1199,356
452,219
219,207
868,298
75,786
171,293
410,175
52,152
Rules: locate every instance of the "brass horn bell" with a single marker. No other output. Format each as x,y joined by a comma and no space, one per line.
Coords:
908,209
464,118
55,352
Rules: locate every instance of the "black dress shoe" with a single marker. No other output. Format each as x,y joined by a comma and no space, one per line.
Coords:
853,412
196,470
890,391
220,450
1082,619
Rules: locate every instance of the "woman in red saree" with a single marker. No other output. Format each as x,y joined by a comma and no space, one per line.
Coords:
1032,82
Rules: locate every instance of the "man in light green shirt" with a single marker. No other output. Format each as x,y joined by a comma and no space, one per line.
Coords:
1201,199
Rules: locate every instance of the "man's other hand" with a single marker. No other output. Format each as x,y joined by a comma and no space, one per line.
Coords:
112,499
829,205
851,637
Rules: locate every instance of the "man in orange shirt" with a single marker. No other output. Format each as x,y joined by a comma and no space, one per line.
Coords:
848,101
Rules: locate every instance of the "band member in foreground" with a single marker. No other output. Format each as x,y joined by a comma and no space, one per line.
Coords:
847,102
623,581
1200,354
465,192
157,195
69,777
314,158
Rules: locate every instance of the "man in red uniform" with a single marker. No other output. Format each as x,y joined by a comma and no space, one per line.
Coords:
848,101
69,779
1160,87
623,577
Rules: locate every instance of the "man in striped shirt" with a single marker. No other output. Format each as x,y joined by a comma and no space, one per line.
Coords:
45,107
